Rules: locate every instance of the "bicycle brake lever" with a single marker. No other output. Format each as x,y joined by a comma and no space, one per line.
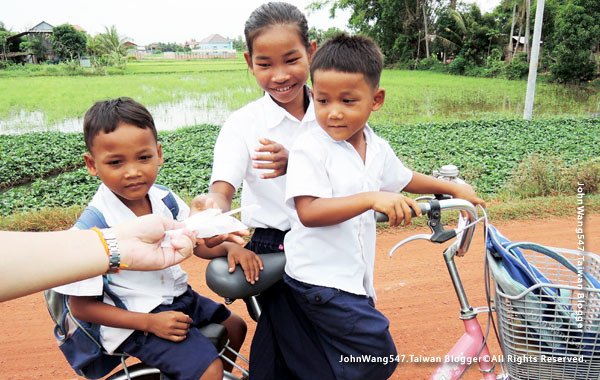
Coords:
408,240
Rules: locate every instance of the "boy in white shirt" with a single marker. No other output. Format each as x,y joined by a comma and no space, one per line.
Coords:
158,326
338,175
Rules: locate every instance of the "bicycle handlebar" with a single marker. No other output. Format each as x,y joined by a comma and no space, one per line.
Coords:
382,218
432,210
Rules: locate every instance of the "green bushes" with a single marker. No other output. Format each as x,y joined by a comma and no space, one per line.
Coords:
518,68
63,69
24,158
458,65
487,151
543,175
187,155
510,158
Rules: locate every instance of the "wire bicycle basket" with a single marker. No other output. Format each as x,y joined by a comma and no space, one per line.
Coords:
548,309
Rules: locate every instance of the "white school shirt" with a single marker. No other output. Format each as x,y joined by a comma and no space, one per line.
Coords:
236,144
140,291
340,256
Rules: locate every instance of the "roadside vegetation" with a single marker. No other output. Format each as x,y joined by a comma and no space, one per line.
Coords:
512,162
454,94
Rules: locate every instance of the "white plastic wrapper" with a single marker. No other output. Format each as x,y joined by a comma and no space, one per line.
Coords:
210,223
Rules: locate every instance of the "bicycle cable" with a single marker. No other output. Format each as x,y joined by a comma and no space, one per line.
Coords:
490,319
487,281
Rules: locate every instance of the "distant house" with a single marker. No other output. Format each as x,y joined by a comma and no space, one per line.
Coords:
152,48
43,31
131,47
519,44
191,44
130,44
215,43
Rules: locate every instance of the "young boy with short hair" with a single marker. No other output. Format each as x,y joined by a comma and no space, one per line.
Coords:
158,326
338,175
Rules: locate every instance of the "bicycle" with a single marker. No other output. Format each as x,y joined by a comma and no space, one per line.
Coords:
532,325
234,286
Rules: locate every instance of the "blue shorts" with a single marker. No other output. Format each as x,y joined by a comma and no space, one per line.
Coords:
349,329
285,343
274,353
180,360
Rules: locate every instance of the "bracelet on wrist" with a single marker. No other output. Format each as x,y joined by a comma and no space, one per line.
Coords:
111,246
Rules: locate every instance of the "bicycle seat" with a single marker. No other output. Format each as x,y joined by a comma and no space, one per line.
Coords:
234,285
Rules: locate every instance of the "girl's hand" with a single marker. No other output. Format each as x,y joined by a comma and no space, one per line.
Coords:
396,206
236,237
249,261
203,202
170,325
275,157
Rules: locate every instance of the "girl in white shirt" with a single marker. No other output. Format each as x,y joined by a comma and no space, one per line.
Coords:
252,150
253,144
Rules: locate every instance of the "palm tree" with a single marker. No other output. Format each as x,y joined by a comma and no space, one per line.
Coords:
109,46
110,41
512,32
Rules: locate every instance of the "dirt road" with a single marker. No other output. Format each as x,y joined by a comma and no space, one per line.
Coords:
413,287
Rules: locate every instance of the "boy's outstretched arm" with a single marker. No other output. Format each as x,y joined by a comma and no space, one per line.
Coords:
320,212
424,184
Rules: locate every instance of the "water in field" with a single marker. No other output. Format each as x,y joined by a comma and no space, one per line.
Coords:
167,116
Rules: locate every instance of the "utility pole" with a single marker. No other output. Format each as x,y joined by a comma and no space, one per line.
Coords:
426,31
533,64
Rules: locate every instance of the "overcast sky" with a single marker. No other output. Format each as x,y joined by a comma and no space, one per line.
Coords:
147,21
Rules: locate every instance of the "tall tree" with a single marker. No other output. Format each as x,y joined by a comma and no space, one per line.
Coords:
110,42
576,34
239,44
521,16
512,30
394,24
528,28
68,42
108,47
4,34
426,28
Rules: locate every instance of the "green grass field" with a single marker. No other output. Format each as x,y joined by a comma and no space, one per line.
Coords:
493,107
170,66
412,96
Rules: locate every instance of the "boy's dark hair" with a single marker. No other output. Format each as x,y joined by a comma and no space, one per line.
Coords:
275,13
350,54
105,116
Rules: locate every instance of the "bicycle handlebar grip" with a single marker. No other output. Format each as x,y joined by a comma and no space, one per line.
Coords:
381,217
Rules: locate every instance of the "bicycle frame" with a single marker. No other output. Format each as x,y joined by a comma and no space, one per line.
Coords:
470,347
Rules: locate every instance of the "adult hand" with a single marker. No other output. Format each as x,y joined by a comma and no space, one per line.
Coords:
140,243
271,155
